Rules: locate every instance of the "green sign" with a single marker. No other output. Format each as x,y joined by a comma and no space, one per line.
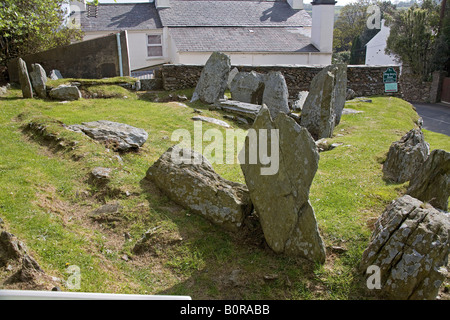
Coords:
389,76
390,87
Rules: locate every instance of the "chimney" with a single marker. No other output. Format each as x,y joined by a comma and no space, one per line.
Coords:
296,4
160,4
322,24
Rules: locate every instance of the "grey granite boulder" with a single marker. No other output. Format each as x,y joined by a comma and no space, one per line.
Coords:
214,79
276,94
24,78
65,93
431,182
410,246
281,197
118,136
406,156
188,179
38,80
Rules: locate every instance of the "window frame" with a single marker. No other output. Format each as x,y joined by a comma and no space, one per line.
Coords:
155,45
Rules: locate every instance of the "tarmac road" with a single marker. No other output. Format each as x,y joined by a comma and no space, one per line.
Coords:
436,116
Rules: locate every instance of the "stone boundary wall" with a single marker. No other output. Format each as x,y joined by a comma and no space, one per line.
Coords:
91,59
364,80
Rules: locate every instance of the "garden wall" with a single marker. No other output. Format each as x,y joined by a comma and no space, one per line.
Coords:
91,59
364,80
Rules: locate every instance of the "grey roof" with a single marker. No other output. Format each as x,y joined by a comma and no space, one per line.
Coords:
233,39
234,13
113,17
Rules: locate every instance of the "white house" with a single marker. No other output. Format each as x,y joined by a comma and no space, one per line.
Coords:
375,49
251,32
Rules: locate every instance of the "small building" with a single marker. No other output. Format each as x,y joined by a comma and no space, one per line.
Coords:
252,32
375,49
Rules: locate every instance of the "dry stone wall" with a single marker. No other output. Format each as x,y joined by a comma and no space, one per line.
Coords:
364,80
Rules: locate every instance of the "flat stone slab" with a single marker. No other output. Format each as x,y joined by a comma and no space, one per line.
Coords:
118,136
248,110
211,120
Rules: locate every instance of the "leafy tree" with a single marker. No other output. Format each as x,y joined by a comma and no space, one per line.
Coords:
413,37
30,26
358,52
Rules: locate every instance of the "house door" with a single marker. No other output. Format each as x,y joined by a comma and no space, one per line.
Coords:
445,94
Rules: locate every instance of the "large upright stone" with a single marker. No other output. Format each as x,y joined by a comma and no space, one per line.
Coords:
276,94
431,182
281,197
323,107
406,156
248,87
24,78
213,79
188,179
340,90
410,246
38,79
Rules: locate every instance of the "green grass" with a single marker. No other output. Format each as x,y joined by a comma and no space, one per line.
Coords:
45,200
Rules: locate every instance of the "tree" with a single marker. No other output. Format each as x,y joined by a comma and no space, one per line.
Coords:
350,23
413,37
30,26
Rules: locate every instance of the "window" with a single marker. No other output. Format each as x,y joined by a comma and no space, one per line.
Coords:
154,46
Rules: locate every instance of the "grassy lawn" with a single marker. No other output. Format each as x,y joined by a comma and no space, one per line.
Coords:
46,198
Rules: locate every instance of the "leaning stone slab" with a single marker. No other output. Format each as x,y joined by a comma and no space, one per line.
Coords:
213,79
281,197
431,182
65,93
211,120
118,136
410,246
247,110
188,179
38,80
406,156
24,78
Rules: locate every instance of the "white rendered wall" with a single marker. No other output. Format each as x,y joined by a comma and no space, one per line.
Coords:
137,47
257,59
375,54
322,27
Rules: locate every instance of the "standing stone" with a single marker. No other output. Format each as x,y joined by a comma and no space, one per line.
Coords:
55,75
431,182
213,79
298,104
188,179
281,198
410,246
276,94
326,99
231,76
24,78
340,90
406,156
39,80
248,87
